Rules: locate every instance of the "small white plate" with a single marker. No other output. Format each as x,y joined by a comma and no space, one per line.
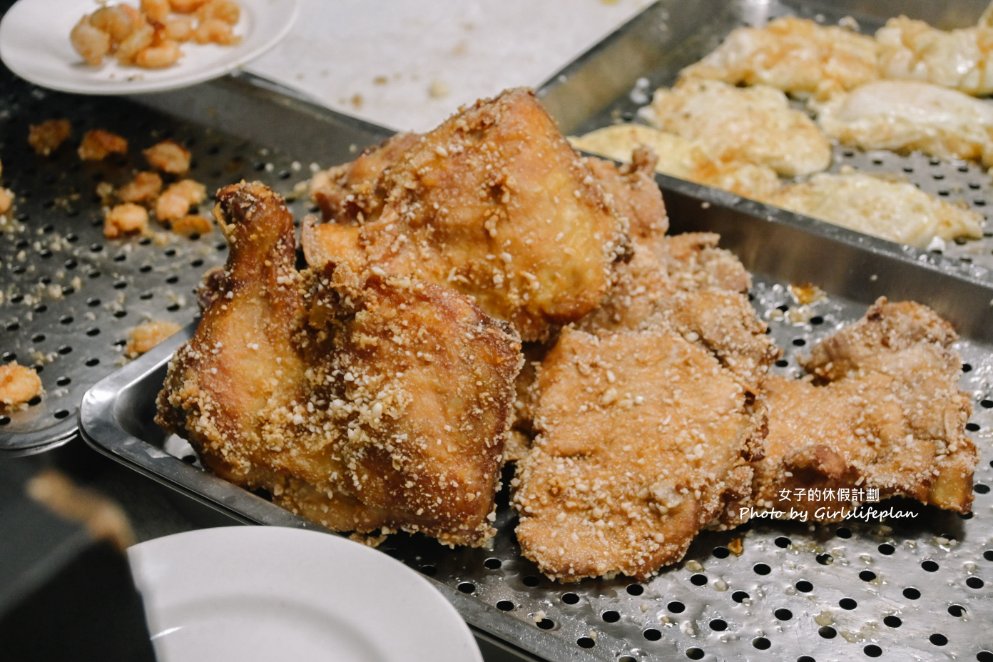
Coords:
257,594
34,44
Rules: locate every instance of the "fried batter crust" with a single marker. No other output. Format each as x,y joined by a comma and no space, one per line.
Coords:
361,402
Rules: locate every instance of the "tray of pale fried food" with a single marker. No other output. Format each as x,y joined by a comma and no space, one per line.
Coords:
876,122
488,355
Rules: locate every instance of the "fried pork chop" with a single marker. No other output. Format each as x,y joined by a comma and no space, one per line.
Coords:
494,203
359,401
643,440
890,417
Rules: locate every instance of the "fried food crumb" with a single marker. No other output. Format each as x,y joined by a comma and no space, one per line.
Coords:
48,136
176,201
124,219
192,224
150,37
145,187
6,200
98,144
147,335
168,156
18,385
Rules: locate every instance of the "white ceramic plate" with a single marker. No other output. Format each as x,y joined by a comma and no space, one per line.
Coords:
253,593
34,44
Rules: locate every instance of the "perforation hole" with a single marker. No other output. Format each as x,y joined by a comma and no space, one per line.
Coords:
886,549
610,616
570,598
467,587
761,643
847,603
721,552
505,605
546,624
718,625
585,642
929,566
739,596
694,653
827,632
825,559
938,639
867,576
872,650
892,621
531,581
651,634
957,610
804,586
782,542
911,593
60,414
677,607
493,563
974,582
635,589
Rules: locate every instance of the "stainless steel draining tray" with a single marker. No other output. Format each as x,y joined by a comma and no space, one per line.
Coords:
616,77
68,296
900,589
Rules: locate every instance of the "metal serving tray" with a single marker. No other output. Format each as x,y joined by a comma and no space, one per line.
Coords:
616,77
68,296
901,589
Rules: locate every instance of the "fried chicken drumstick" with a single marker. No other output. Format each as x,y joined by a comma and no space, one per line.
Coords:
360,401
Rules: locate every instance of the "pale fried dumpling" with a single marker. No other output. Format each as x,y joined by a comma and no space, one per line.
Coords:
792,54
752,125
904,116
892,210
679,157
959,59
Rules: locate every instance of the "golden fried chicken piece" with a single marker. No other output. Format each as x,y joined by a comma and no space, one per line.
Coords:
48,136
361,402
642,441
494,203
795,55
893,419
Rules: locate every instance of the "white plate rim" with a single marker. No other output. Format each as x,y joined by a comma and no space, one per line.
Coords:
192,69
239,559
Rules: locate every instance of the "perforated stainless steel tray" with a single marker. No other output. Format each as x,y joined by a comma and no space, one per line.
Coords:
68,296
615,78
901,589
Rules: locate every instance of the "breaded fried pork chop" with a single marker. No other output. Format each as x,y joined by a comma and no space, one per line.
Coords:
362,402
494,203
643,440
891,417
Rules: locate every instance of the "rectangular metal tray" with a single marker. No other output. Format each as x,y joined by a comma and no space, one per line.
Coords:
68,296
611,81
713,605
